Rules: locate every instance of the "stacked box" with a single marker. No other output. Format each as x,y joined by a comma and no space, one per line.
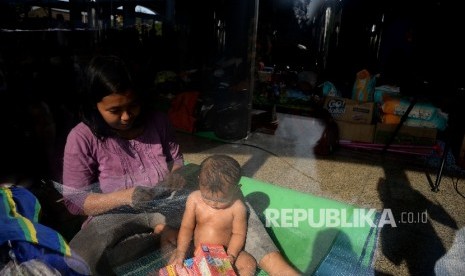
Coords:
407,135
354,119
356,132
348,110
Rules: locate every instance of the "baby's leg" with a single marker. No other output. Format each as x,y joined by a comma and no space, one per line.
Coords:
168,234
168,239
245,264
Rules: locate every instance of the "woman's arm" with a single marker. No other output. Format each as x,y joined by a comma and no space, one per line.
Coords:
81,170
176,166
96,203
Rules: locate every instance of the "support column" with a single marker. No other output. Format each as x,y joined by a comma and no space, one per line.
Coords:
129,14
170,12
75,17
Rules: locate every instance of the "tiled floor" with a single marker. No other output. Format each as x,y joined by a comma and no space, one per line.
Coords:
361,178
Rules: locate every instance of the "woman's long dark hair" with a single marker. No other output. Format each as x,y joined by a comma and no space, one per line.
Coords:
105,75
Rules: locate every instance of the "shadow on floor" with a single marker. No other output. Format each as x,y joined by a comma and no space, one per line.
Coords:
411,238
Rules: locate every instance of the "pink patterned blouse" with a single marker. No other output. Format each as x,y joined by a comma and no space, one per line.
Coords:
115,163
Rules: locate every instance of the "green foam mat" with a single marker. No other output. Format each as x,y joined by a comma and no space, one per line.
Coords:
311,248
210,135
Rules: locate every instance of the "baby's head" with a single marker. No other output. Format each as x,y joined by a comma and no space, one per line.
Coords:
219,180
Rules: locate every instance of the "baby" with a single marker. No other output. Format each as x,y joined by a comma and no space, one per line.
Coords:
216,214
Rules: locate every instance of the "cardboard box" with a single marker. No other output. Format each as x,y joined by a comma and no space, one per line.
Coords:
407,135
348,110
356,132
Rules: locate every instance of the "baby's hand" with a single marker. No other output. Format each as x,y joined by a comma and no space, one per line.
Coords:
232,258
177,258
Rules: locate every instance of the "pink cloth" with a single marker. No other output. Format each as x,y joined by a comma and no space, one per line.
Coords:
90,164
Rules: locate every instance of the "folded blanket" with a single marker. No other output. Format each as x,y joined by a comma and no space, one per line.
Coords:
30,240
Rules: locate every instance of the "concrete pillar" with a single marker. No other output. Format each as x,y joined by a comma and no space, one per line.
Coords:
129,14
75,18
170,11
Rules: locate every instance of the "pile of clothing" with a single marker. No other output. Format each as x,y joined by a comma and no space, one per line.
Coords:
28,247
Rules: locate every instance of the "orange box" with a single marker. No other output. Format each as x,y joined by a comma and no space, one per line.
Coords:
212,259
173,270
208,260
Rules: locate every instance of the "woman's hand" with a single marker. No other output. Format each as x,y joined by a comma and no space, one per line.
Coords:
142,195
145,195
174,182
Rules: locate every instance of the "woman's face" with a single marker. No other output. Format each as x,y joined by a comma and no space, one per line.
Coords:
119,110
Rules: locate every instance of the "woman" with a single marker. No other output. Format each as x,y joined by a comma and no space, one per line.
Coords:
112,157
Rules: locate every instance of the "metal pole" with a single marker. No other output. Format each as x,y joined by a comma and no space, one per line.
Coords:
253,54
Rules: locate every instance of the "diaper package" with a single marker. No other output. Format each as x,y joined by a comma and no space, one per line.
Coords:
398,106
364,86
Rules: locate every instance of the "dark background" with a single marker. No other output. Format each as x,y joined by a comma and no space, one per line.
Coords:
416,45
405,41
